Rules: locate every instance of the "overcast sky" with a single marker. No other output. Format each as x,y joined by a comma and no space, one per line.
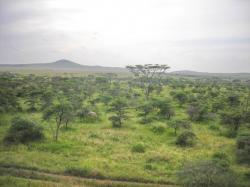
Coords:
200,35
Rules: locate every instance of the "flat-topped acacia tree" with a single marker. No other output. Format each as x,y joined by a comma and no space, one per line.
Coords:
148,73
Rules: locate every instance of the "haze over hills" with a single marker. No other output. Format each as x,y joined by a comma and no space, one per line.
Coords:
67,65
64,65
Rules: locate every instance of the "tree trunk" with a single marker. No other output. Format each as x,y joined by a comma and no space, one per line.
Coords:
57,132
66,124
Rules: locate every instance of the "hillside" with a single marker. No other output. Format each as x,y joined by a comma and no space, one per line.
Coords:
187,73
62,65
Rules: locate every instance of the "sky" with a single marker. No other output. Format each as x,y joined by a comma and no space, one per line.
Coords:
198,35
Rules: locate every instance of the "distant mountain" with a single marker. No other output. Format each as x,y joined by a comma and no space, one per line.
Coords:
63,65
206,74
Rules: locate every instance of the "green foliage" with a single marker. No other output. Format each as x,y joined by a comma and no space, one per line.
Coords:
158,129
186,139
148,75
149,166
243,148
138,148
116,121
222,159
164,107
88,113
180,96
119,107
8,100
4,119
197,112
146,109
180,124
233,100
205,174
61,112
23,131
233,120
62,97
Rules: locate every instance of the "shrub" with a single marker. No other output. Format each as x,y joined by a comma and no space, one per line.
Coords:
197,112
23,131
243,149
180,124
115,120
138,148
148,166
147,119
205,174
214,127
222,159
186,138
159,129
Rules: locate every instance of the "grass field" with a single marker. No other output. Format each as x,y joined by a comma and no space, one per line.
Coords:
99,151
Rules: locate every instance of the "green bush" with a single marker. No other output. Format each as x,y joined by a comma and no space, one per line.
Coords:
186,138
243,149
23,131
147,119
214,127
138,148
148,166
115,120
222,159
206,174
158,129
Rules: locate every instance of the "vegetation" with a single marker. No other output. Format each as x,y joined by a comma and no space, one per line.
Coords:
148,127
186,138
243,148
206,173
23,131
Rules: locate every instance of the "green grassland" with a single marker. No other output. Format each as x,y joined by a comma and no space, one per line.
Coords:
99,151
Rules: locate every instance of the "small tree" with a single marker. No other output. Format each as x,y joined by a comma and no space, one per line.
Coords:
180,124
180,96
197,112
164,107
118,106
61,112
233,100
145,110
233,119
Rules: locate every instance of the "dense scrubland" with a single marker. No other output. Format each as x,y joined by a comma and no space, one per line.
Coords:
156,129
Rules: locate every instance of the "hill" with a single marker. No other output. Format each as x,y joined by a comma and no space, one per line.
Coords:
186,73
63,65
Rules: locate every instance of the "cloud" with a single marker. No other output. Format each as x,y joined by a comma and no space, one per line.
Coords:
195,35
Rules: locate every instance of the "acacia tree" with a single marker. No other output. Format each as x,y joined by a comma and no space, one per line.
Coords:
62,113
147,74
